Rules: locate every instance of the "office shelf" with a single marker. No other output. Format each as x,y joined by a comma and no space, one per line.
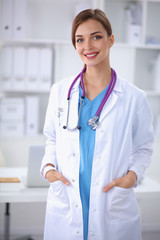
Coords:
48,24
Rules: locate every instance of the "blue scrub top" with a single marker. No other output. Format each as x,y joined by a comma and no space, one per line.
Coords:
87,142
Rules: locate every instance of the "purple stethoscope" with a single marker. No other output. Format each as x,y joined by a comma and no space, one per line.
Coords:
94,122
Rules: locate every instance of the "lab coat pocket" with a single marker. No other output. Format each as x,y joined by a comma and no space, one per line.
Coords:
58,202
122,205
58,188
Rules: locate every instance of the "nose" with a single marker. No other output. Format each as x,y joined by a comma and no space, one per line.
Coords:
88,44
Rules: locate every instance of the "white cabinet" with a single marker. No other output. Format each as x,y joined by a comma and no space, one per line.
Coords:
153,17
47,25
138,62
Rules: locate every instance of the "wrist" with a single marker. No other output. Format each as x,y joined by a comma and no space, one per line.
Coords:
47,169
132,173
133,176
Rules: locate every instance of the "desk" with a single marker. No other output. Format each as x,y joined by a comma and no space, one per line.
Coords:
147,189
23,195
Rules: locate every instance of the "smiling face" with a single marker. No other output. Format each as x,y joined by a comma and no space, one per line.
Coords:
93,43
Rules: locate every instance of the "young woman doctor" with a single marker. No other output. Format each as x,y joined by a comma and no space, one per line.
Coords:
99,143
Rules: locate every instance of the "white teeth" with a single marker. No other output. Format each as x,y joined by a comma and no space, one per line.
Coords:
92,55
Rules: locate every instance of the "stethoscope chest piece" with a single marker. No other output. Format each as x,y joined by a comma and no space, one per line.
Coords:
93,122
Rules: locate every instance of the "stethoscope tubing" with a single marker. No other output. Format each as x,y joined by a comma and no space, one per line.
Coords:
93,121
82,97
75,80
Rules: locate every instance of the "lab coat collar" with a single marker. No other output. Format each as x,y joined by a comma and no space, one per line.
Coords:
108,105
117,87
73,111
76,85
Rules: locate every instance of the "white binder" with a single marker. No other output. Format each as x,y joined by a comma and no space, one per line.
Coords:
156,71
19,65
157,126
133,23
7,19
12,109
45,69
7,63
11,128
32,68
12,117
19,9
32,115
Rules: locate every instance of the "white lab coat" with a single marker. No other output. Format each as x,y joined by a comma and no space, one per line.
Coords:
123,141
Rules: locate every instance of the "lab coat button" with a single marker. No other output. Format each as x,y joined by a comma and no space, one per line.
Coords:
76,206
93,234
74,154
73,180
77,232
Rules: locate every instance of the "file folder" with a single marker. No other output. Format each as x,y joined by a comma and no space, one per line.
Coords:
45,68
32,68
32,115
7,64
19,65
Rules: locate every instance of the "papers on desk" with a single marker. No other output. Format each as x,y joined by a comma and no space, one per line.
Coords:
10,184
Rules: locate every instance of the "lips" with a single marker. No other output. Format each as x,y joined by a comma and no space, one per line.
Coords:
91,55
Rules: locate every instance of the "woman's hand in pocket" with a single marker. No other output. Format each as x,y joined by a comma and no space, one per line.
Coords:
53,176
127,181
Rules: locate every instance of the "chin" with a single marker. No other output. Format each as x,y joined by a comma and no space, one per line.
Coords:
89,64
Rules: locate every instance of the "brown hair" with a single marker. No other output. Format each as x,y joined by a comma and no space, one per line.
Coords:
95,14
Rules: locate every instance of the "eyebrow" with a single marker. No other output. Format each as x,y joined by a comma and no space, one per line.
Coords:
90,34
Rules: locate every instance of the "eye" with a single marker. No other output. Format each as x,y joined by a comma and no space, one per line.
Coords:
79,40
97,37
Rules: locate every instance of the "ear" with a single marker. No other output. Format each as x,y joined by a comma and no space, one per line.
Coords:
111,40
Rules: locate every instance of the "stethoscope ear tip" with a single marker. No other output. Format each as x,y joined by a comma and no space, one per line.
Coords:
64,127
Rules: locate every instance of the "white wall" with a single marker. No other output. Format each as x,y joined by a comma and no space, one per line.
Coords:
16,155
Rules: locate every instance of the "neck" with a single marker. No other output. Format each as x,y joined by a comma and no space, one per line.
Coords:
96,79
97,76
